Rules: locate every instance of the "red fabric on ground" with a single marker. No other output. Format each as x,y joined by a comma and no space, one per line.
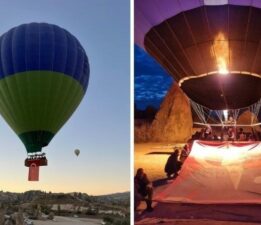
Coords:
217,173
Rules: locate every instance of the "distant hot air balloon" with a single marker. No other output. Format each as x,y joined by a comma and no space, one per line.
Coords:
77,152
44,74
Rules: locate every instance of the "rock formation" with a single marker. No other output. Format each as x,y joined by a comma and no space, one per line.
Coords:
142,131
173,122
246,118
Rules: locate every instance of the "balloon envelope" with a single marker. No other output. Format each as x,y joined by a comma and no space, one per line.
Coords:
44,73
212,51
77,152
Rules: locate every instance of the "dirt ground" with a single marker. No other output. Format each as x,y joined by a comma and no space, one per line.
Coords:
153,164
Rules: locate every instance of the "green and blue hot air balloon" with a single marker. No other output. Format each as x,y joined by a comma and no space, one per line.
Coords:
44,74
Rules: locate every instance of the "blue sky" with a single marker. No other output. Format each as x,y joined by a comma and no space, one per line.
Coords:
100,127
151,81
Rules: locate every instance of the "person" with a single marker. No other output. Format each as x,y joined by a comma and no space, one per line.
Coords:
203,134
241,135
258,135
231,119
208,130
184,154
137,196
206,133
143,189
231,134
209,137
215,137
173,165
251,137
225,135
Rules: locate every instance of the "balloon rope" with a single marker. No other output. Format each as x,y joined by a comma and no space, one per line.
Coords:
227,125
205,114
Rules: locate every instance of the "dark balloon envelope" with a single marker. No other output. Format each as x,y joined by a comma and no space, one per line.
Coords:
194,41
44,73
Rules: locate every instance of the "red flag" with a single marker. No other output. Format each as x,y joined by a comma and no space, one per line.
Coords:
33,172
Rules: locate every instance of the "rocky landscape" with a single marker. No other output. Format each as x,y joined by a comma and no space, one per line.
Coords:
24,208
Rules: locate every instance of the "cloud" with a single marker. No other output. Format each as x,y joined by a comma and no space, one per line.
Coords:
145,63
151,81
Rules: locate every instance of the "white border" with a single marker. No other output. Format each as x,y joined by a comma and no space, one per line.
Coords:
132,111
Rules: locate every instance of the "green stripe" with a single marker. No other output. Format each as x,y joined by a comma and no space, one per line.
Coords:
35,140
38,100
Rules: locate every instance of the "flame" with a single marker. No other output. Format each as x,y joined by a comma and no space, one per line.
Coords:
221,52
225,113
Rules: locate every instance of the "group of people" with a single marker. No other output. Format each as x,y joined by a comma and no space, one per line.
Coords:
226,134
143,189
36,156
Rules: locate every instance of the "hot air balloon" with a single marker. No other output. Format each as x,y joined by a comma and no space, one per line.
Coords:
77,152
44,73
211,48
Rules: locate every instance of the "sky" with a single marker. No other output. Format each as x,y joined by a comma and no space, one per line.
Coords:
151,83
100,127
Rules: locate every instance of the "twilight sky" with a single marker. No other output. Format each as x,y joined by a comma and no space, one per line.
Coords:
100,125
151,80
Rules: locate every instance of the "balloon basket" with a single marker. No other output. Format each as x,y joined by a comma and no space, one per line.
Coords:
34,167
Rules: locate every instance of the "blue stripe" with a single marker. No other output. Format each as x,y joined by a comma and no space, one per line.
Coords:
42,46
